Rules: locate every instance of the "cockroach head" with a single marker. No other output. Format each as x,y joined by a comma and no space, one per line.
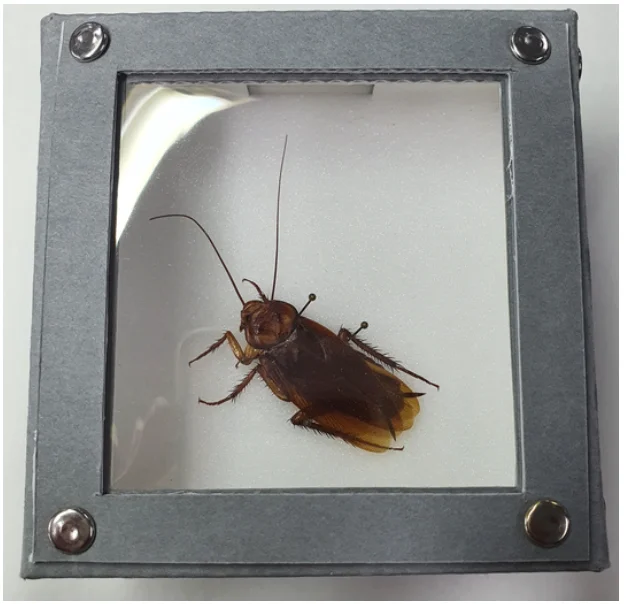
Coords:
267,323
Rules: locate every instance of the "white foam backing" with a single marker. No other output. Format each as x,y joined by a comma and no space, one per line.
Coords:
393,211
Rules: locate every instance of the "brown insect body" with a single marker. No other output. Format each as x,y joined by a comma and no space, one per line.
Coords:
339,391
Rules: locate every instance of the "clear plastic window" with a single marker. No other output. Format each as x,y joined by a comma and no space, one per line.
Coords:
392,212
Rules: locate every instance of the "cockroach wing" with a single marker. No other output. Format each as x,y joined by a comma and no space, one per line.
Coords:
339,391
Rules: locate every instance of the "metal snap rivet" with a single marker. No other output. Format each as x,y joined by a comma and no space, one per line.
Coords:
89,42
530,45
72,531
547,523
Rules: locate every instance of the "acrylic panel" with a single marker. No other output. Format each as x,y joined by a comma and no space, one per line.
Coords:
393,211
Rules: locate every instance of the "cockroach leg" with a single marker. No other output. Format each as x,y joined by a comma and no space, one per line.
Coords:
237,390
234,346
346,336
301,419
210,349
272,384
249,354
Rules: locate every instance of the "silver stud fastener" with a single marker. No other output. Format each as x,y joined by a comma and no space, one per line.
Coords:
547,523
89,42
72,531
530,45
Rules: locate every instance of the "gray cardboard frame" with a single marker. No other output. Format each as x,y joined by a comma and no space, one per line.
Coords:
313,532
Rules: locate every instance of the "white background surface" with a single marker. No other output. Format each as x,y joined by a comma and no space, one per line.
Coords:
598,41
375,188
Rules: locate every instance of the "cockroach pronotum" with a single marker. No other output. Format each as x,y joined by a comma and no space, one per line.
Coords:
342,386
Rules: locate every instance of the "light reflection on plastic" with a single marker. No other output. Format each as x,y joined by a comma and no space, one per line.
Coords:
138,432
154,119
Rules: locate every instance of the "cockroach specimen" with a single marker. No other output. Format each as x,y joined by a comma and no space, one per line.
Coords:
340,391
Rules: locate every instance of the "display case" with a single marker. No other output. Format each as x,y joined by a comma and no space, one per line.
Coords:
406,386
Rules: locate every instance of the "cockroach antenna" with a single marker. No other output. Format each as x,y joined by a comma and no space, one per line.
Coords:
280,180
210,241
